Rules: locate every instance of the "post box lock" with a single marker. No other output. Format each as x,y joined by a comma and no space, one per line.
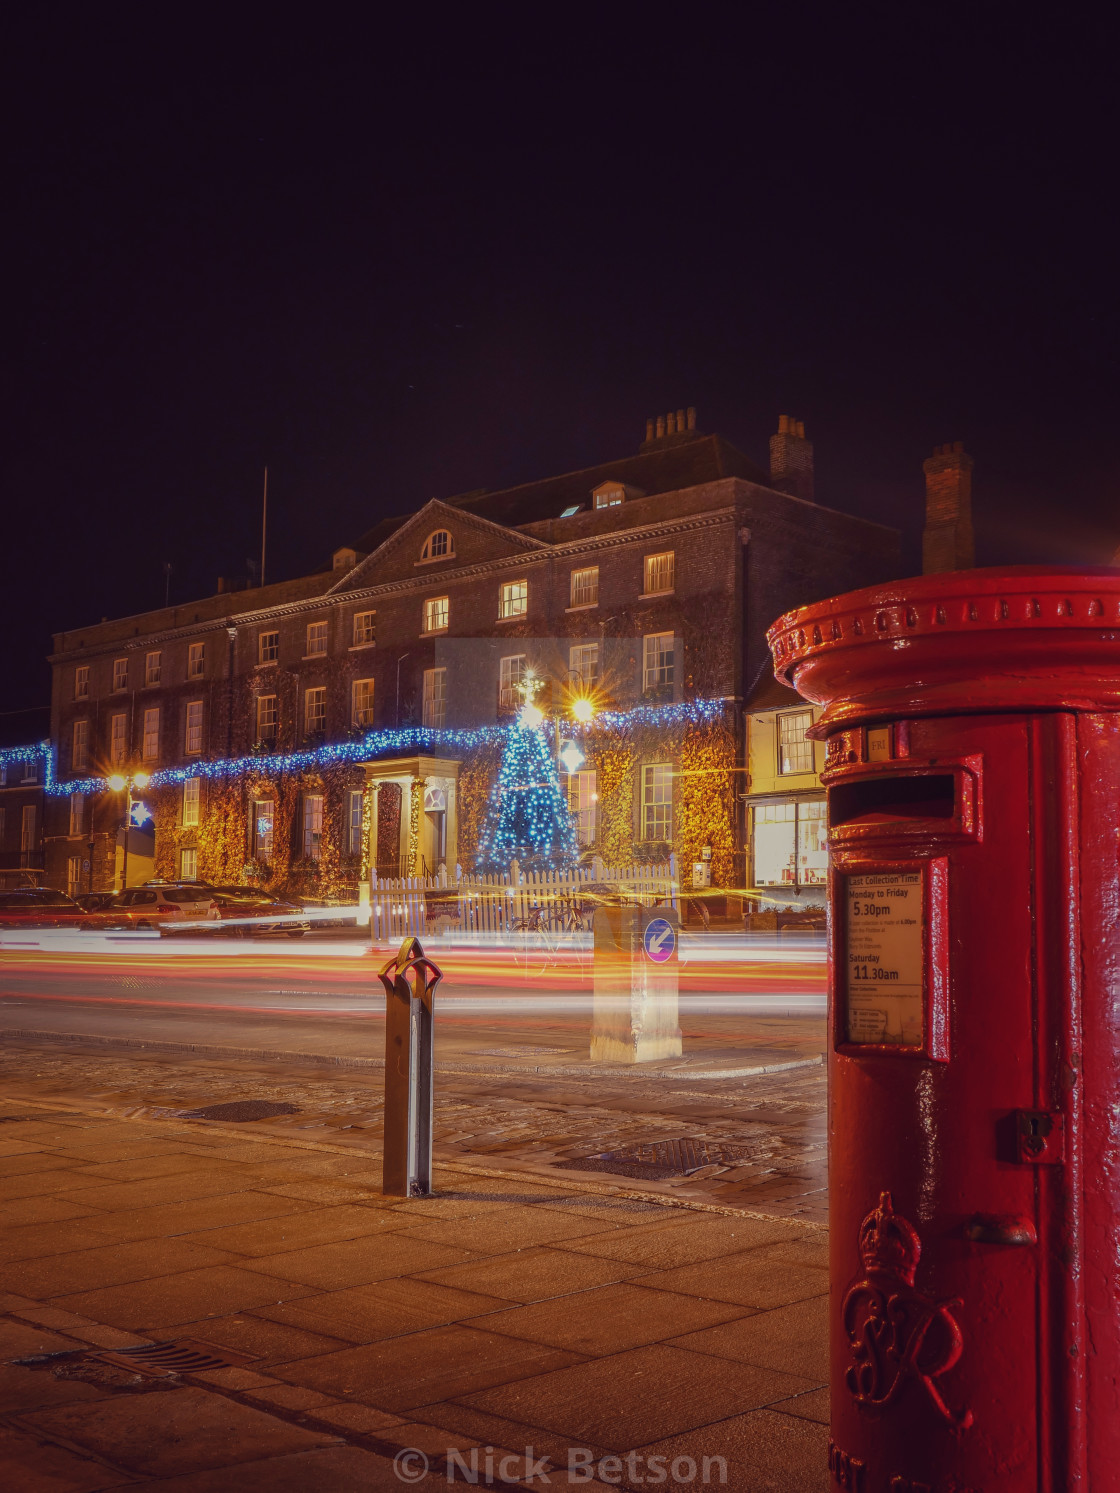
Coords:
999,1228
1040,1136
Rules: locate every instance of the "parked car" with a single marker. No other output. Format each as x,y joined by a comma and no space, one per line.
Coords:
162,905
97,901
250,911
39,907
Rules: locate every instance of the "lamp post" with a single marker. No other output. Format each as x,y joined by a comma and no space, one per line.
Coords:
122,783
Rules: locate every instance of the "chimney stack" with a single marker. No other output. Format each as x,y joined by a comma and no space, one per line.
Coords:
947,542
791,459
677,428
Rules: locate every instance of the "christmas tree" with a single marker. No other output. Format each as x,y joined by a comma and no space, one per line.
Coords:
527,819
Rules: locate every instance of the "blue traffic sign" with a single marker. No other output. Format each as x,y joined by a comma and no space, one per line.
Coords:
659,940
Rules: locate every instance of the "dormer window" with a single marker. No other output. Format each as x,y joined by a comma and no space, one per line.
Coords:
437,546
611,494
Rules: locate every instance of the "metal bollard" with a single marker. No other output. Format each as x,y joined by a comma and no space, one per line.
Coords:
407,1160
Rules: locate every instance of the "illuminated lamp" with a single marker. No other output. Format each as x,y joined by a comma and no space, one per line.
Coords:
571,756
140,780
117,783
531,715
583,710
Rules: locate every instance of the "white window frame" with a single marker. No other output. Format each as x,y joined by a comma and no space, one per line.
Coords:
192,728
434,700
513,599
118,738
315,709
268,646
436,615
612,498
355,809
361,702
74,876
120,675
196,660
317,632
263,843
582,796
268,717
584,587
151,734
81,682
795,755
511,676
30,772
583,666
79,746
439,545
656,673
192,802
77,813
660,573
153,668
312,826
365,630
790,826
657,801
188,863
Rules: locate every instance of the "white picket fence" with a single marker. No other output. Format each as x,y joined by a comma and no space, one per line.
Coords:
484,907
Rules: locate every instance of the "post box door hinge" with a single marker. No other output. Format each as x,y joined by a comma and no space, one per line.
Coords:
1040,1136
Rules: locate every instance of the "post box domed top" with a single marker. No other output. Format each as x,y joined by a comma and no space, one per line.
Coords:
1022,637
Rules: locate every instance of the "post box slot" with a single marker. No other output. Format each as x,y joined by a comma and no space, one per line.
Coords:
893,798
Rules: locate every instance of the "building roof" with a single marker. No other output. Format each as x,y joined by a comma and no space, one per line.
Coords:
769,694
678,463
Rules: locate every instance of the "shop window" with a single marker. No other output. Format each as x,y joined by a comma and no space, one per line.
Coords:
789,844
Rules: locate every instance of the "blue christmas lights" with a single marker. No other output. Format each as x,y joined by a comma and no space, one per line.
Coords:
376,744
527,819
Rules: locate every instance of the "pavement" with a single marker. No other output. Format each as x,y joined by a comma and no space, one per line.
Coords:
527,1325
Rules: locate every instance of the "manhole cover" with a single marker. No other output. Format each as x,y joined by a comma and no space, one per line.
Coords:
186,1355
661,1159
241,1109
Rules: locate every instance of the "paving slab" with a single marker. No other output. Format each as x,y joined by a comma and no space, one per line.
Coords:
664,1243
33,1465
630,1399
303,1229
168,1299
508,1228
355,1262
391,1308
791,1337
177,1431
195,1217
110,1265
443,1363
268,1340
763,1452
534,1274
341,1469
755,1279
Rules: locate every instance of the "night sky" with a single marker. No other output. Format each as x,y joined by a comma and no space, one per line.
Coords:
396,262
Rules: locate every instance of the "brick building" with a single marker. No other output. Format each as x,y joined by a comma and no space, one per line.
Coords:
297,732
23,783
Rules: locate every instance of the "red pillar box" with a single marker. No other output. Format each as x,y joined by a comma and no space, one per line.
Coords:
972,723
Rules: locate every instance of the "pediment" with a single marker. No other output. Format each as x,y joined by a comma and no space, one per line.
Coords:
474,540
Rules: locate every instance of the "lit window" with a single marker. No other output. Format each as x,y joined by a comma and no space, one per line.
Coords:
193,736
316,639
188,864
435,614
511,676
74,876
585,587
660,573
795,751
515,599
27,835
312,826
315,710
657,802
354,822
190,800
30,772
81,682
582,801
267,717
583,666
196,660
268,647
120,673
657,671
437,546
79,747
365,629
789,844
151,735
609,497
117,748
264,818
363,703
153,667
77,813
435,698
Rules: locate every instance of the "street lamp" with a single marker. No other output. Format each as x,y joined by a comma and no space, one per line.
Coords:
120,783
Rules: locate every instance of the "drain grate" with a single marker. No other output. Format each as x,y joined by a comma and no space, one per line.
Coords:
660,1159
185,1355
241,1109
